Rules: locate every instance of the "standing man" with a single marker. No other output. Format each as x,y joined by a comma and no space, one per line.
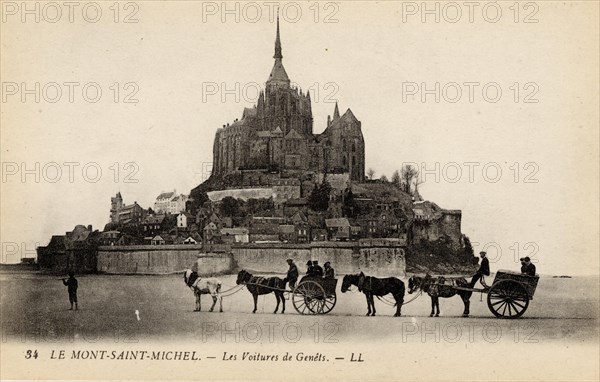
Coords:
71,284
329,271
484,269
318,271
527,267
292,274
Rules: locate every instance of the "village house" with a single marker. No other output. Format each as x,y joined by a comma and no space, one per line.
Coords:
287,233
153,224
109,237
211,234
318,234
170,202
162,239
76,250
234,235
184,220
120,213
338,229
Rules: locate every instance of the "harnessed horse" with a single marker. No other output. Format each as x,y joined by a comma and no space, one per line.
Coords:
200,286
258,285
437,287
373,286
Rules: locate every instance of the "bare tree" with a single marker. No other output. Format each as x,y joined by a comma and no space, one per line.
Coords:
408,174
370,173
396,180
384,179
417,183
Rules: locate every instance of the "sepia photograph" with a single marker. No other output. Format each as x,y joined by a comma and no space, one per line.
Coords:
300,190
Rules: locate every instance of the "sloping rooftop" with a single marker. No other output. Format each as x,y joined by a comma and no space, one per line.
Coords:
286,228
154,219
278,73
339,222
234,231
166,195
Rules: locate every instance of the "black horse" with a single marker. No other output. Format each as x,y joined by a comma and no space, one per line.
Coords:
258,285
437,287
373,286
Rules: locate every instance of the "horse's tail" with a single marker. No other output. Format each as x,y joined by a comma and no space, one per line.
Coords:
219,287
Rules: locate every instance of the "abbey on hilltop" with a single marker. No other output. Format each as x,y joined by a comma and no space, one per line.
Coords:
276,135
274,181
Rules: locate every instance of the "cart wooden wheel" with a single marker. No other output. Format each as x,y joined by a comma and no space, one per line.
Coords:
308,298
508,299
328,304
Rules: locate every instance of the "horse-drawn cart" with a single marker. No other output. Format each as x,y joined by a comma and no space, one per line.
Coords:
509,294
314,295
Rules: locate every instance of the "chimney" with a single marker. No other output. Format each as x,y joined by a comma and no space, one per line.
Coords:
89,227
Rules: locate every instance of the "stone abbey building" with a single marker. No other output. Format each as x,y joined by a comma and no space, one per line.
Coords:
276,135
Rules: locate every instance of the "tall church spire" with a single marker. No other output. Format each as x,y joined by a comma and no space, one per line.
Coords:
277,41
278,75
336,113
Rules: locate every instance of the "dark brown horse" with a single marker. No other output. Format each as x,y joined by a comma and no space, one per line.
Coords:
373,286
437,287
258,285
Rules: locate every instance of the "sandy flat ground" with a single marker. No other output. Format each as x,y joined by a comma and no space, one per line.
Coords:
563,309
556,339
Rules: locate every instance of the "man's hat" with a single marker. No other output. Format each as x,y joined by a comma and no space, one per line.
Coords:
71,273
289,260
315,262
522,259
527,259
327,263
309,262
482,253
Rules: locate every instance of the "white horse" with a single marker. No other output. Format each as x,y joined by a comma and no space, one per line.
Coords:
200,286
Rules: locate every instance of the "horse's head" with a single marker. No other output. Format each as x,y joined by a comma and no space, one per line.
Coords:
242,277
414,283
346,282
350,280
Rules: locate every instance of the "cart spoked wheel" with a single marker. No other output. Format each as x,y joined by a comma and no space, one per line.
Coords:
308,298
508,299
328,303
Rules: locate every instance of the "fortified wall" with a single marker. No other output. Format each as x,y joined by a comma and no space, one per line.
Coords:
376,257
160,259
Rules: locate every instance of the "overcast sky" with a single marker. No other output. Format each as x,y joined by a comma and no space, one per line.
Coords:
179,59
